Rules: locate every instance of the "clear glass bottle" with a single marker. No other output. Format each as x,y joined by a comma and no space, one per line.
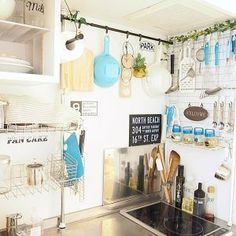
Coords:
5,174
210,204
18,14
188,135
210,138
199,137
34,12
187,204
176,134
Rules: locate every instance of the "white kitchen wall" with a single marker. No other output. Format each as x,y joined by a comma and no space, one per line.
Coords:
108,129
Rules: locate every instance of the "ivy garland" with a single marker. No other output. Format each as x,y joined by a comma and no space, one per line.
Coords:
195,34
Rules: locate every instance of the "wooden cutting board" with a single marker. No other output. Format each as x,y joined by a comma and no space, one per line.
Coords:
77,75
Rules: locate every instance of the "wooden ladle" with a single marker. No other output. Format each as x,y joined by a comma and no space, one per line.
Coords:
174,161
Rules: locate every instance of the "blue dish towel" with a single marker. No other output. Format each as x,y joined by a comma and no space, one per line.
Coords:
72,150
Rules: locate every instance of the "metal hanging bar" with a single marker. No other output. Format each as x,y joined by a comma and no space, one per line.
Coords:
107,28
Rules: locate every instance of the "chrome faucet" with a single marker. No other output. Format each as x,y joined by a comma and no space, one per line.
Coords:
12,224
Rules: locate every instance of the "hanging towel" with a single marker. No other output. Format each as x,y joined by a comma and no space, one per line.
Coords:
72,151
77,75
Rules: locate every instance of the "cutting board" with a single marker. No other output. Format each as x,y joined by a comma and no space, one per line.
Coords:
77,75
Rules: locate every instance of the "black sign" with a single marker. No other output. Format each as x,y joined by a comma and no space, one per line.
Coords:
144,129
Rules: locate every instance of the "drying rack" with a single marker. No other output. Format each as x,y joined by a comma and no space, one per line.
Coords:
58,173
33,127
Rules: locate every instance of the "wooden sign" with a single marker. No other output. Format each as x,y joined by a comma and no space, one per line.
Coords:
144,129
196,113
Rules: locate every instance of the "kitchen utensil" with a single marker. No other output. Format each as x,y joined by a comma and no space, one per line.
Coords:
151,171
5,174
228,50
35,174
77,75
7,7
106,67
229,125
221,124
174,161
215,115
72,156
223,172
187,73
127,59
173,87
200,58
158,79
190,73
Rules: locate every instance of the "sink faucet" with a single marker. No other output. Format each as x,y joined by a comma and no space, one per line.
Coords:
12,224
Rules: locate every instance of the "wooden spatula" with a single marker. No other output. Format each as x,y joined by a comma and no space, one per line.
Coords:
174,161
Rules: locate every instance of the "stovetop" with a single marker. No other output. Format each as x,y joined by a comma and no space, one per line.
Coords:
164,219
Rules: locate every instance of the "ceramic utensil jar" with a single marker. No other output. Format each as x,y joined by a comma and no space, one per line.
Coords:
34,12
5,174
35,174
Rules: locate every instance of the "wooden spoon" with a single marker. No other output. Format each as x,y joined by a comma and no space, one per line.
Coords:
174,161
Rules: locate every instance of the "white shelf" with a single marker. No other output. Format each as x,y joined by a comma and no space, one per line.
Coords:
193,146
16,32
22,78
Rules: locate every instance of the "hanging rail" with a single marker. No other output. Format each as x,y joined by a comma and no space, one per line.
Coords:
81,21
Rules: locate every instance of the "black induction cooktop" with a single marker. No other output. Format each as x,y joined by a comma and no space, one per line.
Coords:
164,219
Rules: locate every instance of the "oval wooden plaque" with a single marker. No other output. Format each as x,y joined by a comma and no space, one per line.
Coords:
196,113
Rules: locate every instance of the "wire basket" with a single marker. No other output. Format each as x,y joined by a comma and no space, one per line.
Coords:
64,172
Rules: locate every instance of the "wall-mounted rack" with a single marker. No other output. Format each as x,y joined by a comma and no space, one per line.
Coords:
82,21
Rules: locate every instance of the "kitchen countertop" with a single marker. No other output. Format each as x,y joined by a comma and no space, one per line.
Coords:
111,225
103,221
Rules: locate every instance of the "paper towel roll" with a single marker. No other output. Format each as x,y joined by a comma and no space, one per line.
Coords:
70,55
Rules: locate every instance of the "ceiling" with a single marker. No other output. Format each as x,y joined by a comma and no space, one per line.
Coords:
169,17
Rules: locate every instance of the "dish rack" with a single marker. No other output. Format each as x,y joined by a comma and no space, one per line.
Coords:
57,174
25,128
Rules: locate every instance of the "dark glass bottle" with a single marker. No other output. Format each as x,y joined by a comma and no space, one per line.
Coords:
199,201
140,185
127,174
179,187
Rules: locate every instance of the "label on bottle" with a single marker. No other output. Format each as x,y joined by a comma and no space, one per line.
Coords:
179,194
199,206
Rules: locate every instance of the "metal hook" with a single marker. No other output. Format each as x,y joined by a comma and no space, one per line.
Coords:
127,34
201,105
106,29
140,37
79,24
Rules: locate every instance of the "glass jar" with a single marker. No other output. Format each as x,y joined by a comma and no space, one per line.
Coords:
5,174
176,134
210,204
18,14
34,12
188,135
199,137
210,138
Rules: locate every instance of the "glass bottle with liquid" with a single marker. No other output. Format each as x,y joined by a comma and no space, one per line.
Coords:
187,204
210,204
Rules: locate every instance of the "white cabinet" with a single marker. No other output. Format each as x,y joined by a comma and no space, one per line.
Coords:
37,45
